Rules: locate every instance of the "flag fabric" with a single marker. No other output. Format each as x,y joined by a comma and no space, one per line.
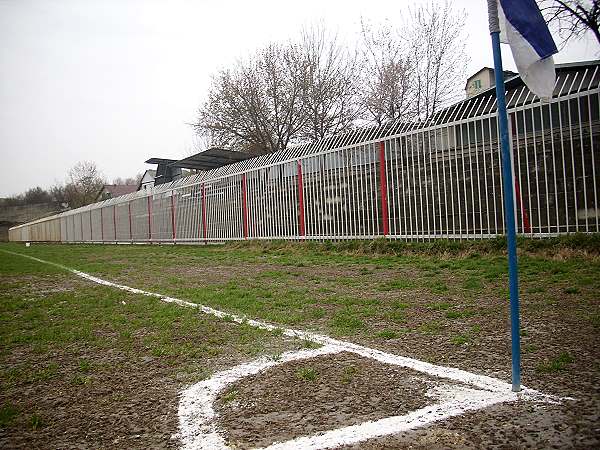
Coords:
523,27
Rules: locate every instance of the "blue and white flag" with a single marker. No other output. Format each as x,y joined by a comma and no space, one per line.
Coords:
524,28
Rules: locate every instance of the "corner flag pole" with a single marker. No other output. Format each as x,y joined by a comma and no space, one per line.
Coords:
507,176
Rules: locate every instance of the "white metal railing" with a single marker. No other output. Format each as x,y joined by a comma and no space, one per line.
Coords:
440,179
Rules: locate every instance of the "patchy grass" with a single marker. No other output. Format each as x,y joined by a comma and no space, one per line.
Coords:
306,374
460,314
561,362
346,322
387,334
349,374
8,413
309,344
36,422
71,345
230,396
460,339
352,289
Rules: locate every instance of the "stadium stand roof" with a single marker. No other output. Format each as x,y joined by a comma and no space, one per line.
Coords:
212,158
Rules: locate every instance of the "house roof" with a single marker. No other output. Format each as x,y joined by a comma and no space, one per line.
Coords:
115,190
152,172
507,74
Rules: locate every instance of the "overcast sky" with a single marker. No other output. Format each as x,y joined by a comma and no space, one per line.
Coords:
116,82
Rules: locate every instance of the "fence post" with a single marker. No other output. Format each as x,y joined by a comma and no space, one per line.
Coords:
81,220
130,232
383,186
301,223
149,220
173,214
204,213
244,207
517,197
101,225
115,221
91,234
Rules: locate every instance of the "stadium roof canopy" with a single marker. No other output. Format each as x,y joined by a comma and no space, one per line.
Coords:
212,158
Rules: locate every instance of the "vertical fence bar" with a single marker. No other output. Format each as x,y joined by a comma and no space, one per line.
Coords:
204,213
101,225
301,224
115,221
173,214
383,188
130,228
244,207
149,219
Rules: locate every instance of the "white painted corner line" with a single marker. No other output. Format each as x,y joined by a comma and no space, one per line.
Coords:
198,429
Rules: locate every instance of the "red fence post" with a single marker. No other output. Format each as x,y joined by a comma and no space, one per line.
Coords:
115,221
301,201
173,213
244,207
149,220
101,225
383,185
519,202
130,232
204,213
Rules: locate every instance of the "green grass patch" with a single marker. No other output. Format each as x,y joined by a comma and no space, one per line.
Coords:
460,339
561,362
36,422
387,334
8,413
346,322
460,314
230,396
396,285
439,306
306,374
437,286
349,374
431,327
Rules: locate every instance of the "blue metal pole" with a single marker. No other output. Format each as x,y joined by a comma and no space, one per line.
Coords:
511,235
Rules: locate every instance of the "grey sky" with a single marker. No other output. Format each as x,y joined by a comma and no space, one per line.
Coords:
115,82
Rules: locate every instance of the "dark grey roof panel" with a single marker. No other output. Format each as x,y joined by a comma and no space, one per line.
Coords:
212,158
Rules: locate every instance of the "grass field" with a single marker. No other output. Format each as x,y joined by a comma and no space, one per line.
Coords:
90,366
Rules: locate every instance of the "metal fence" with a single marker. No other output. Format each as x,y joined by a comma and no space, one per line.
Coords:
439,179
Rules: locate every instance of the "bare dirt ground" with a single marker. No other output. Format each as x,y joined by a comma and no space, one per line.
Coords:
308,397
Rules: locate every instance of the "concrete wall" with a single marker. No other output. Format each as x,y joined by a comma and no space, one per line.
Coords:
15,215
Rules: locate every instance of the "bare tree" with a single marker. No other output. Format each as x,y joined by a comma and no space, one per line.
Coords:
329,85
130,181
386,67
83,185
256,106
572,18
439,60
413,71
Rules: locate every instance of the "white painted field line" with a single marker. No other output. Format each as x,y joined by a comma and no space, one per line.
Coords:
480,381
